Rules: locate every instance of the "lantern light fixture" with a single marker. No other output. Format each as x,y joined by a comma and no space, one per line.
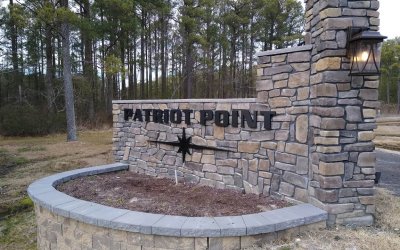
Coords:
364,51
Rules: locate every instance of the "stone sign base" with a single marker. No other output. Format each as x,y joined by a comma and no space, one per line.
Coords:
65,222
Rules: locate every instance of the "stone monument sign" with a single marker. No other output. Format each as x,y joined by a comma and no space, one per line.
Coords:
307,136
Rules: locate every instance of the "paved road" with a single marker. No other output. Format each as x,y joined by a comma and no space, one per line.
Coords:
388,162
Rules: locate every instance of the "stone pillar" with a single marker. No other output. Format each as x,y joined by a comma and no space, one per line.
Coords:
342,113
283,80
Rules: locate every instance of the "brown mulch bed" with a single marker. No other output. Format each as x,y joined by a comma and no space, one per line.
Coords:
144,193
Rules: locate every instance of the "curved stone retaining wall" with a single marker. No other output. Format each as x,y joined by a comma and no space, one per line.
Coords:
68,223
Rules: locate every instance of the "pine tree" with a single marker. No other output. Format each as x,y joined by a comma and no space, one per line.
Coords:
68,87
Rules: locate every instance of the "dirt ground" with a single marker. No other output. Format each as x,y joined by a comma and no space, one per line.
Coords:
139,192
23,160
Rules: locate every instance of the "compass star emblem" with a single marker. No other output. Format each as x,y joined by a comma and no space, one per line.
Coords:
185,144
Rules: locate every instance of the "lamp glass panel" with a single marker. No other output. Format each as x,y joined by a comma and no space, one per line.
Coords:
367,57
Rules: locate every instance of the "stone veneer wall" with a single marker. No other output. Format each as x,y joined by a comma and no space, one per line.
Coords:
246,167
59,232
272,161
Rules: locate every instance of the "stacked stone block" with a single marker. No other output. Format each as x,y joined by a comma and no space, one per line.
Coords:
342,115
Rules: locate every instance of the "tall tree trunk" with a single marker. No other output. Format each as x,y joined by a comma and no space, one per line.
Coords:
224,63
146,63
49,69
243,66
156,62
123,83
88,70
174,75
58,57
21,71
213,94
109,91
112,79
210,74
116,94
166,58
37,84
188,77
142,59
233,64
150,67
219,71
40,64
181,76
103,96
1,95
188,52
130,71
103,74
388,91
14,50
162,57
250,78
68,87
224,71
95,74
208,60
135,95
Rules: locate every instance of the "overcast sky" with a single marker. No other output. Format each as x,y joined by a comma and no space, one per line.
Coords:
390,18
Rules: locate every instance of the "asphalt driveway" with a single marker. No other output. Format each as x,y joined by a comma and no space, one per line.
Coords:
388,163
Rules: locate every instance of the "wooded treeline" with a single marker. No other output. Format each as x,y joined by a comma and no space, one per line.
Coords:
389,88
137,49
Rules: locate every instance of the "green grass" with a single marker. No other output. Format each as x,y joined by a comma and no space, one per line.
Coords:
285,248
31,149
18,231
19,160
9,160
3,151
23,204
17,227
